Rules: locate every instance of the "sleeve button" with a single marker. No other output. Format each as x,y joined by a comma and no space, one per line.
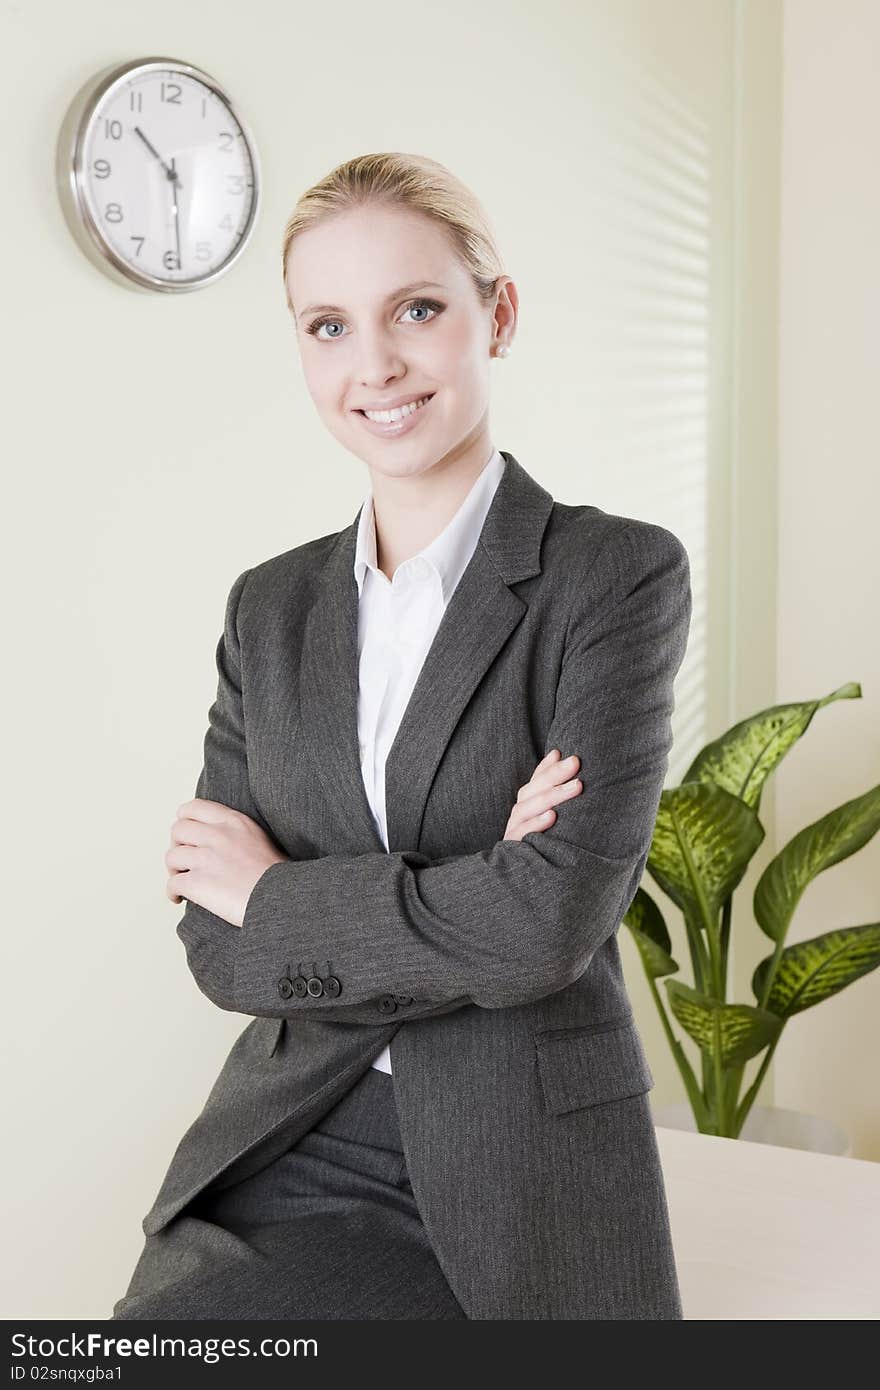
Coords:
315,986
387,1004
285,988
403,998
300,986
332,986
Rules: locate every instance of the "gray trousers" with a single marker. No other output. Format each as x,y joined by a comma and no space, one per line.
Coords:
330,1229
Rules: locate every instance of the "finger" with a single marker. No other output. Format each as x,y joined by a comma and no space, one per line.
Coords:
178,884
187,831
552,776
532,809
550,796
515,831
540,777
553,756
547,761
182,857
558,771
172,889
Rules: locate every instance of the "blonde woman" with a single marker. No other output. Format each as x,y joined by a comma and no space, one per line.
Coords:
431,776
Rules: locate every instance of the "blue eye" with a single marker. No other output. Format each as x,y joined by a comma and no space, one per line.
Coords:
421,304
321,323
431,304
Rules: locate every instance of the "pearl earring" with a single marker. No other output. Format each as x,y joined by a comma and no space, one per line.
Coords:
502,350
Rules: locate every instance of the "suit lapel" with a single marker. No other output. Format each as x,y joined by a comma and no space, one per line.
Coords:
478,620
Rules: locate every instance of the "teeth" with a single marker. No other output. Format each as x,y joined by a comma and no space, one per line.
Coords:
385,417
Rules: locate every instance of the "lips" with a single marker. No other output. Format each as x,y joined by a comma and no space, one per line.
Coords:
395,405
396,429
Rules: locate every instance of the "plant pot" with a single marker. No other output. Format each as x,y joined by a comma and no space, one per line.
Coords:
770,1124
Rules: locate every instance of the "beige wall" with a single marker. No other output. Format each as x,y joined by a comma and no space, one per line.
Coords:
829,505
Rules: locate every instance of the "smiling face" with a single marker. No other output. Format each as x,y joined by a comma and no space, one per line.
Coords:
387,313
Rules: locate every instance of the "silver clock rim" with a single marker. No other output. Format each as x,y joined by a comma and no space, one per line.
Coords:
70,175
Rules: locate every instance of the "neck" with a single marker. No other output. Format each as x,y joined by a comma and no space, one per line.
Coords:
412,510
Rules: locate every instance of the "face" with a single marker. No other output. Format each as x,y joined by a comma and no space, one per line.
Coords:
387,313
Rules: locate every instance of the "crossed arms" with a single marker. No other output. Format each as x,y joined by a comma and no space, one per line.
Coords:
499,927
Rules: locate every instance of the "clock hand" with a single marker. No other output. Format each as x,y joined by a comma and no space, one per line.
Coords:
174,186
170,171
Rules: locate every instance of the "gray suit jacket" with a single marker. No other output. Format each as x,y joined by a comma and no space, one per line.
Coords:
491,966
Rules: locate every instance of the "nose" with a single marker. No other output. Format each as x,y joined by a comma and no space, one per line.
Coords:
378,362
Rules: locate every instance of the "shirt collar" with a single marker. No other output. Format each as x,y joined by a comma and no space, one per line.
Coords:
449,553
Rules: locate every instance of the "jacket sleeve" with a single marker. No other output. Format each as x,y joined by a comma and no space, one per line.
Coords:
519,921
210,940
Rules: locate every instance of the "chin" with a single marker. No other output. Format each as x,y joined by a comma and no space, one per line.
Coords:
404,466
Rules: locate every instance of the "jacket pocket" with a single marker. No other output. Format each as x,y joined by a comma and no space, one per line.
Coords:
587,1065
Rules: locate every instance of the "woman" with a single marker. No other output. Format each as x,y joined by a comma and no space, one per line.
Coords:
440,1108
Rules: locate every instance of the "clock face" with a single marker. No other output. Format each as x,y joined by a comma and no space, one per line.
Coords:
166,176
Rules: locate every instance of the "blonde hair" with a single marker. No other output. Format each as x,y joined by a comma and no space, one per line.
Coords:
409,181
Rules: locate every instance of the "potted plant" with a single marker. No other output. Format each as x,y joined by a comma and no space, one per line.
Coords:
707,830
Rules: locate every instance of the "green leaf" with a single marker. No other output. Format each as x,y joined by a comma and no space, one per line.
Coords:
703,840
644,914
645,921
742,759
813,970
736,1031
827,841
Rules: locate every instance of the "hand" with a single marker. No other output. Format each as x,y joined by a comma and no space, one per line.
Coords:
217,855
552,781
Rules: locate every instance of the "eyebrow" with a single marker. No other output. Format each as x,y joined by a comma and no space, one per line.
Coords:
395,294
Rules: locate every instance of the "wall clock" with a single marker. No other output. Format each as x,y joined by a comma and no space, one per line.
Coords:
158,175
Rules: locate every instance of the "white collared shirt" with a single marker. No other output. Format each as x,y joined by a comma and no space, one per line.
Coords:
397,621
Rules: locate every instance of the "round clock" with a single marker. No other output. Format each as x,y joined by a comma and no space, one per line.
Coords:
157,175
